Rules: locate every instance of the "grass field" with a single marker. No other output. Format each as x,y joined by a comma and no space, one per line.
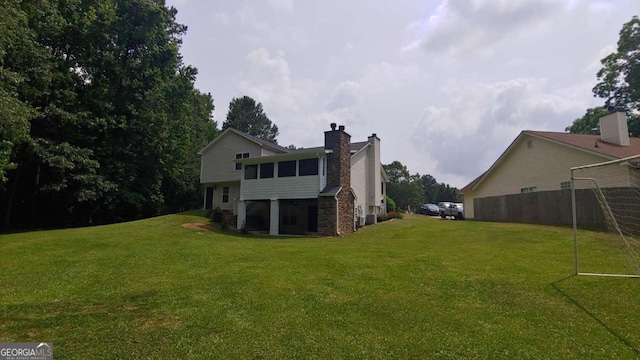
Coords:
413,288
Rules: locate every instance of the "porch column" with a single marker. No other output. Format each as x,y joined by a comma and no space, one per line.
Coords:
274,218
242,214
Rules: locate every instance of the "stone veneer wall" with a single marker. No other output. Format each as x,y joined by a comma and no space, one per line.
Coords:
338,174
346,217
327,216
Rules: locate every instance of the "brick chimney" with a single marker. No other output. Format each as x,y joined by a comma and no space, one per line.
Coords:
614,129
336,201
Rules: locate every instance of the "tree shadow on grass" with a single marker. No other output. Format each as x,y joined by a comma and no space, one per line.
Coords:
575,302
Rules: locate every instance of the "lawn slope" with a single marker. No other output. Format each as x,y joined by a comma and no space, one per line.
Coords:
413,288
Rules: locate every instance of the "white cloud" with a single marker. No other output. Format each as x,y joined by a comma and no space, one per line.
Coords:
286,5
345,95
473,128
476,27
446,85
222,18
268,79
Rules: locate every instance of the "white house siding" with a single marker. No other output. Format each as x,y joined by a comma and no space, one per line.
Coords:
295,187
375,196
234,195
268,152
359,182
218,162
544,166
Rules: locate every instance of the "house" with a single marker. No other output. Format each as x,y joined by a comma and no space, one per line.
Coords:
330,189
540,161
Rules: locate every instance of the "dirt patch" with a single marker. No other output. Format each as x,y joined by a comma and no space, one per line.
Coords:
197,226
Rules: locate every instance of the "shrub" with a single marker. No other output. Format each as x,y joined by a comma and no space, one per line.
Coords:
217,216
391,204
390,215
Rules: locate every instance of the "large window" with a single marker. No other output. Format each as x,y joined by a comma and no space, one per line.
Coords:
225,194
241,156
251,171
266,171
309,167
287,168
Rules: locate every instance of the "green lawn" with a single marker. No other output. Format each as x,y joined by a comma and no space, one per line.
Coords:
413,288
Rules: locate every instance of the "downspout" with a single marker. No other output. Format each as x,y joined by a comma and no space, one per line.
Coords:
337,214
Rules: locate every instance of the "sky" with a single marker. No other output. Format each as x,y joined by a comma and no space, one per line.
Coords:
446,85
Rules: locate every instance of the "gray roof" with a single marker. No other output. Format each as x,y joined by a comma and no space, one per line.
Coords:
330,190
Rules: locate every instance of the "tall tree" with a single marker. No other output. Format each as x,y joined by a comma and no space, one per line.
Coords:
248,116
430,188
117,120
405,189
619,78
589,122
15,38
397,172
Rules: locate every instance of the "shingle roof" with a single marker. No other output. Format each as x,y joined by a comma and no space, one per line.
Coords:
264,143
353,147
583,142
588,143
330,190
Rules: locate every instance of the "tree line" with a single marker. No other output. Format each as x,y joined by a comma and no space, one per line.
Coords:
100,119
408,191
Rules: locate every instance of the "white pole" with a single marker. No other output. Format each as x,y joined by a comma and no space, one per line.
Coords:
575,222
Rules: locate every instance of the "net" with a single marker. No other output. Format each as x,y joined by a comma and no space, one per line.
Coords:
606,198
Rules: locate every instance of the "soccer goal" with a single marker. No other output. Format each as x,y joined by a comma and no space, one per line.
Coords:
606,197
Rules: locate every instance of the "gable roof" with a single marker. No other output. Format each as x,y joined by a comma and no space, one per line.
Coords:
263,143
588,143
592,144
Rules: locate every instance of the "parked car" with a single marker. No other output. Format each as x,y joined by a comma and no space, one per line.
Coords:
429,209
451,209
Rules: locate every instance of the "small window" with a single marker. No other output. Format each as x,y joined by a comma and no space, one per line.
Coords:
266,170
565,185
308,167
225,194
382,188
240,156
528,189
251,171
287,168
529,144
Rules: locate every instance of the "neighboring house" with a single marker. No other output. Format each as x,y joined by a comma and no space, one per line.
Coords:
329,190
538,161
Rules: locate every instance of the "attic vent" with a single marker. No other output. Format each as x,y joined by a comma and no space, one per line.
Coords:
529,144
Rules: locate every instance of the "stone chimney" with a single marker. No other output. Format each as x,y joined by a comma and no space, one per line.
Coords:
614,129
336,201
339,157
